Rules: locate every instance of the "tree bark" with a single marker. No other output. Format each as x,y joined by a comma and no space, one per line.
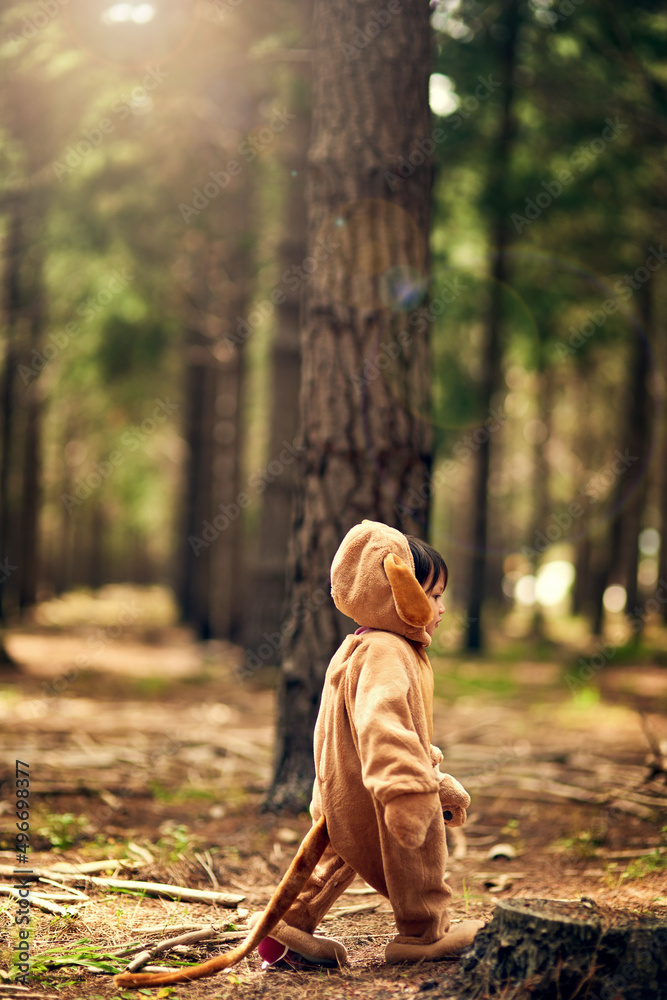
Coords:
554,949
365,434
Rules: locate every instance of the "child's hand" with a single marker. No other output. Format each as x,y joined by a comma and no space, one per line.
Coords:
408,817
454,800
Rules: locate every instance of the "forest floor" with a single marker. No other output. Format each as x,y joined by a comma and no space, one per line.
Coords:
143,745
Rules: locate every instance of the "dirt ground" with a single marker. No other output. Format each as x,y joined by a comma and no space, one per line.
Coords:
145,741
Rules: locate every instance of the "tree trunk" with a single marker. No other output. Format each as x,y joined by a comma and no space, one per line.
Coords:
365,431
32,450
492,353
553,949
630,489
216,283
13,311
194,563
266,607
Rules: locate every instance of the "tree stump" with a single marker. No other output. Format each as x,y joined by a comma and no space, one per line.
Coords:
561,950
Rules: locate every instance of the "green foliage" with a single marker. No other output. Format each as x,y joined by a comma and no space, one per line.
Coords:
94,958
63,830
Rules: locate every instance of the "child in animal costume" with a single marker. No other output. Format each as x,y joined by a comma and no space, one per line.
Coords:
380,804
377,784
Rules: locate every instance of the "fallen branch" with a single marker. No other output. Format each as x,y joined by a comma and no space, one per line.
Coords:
346,911
179,893
41,902
191,938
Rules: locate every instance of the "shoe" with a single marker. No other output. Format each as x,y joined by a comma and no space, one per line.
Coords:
452,945
298,949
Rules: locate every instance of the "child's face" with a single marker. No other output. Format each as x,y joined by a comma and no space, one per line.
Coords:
434,592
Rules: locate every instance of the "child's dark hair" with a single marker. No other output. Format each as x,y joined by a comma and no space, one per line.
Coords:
429,564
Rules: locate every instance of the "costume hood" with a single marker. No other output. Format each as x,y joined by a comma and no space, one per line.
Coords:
373,582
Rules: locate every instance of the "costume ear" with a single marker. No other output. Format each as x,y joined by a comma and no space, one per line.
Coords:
410,601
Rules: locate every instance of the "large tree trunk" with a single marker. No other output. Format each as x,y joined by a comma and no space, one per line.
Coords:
365,431
492,352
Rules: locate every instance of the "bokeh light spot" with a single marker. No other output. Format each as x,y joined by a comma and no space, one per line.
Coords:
614,598
524,591
553,582
649,542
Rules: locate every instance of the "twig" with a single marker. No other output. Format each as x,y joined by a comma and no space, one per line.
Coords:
25,993
177,892
41,902
66,891
345,911
207,862
141,852
192,938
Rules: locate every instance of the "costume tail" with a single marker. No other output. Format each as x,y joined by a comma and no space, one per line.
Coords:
309,853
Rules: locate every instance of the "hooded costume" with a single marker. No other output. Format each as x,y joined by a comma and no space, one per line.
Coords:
380,804
377,782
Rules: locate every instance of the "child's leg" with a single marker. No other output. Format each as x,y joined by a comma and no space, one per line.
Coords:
416,886
331,878
295,931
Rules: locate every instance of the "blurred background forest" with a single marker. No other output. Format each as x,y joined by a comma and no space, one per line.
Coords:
153,247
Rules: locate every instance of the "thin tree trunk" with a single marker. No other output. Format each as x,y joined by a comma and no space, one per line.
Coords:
365,431
492,352
32,457
193,575
630,490
211,585
262,630
13,310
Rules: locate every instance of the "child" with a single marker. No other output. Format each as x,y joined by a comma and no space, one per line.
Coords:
377,783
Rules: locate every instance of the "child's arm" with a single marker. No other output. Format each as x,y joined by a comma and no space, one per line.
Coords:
390,724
